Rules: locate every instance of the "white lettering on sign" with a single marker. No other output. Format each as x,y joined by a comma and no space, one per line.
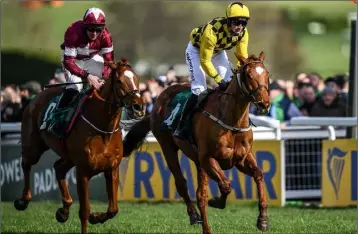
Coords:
11,172
44,181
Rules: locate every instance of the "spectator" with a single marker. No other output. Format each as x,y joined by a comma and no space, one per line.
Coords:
282,108
290,85
29,91
147,98
11,108
298,93
342,86
317,81
329,105
302,78
309,98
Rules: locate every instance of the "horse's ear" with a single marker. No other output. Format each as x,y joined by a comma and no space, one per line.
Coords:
112,65
124,60
262,56
241,59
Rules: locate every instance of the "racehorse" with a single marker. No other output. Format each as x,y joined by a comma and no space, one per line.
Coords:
222,134
94,144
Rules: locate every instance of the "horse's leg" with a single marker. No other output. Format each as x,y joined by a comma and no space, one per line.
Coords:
212,168
171,156
250,168
82,191
62,166
30,156
112,183
202,197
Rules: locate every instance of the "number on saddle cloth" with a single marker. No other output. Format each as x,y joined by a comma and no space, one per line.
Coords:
176,107
52,115
174,111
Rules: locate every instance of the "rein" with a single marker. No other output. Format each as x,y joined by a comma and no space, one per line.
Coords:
244,93
120,103
121,98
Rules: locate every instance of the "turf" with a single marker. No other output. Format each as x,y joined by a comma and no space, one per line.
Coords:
172,218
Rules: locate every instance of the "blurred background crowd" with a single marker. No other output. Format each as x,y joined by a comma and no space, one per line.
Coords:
308,94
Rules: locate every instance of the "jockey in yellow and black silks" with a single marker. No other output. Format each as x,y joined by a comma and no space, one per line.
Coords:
206,52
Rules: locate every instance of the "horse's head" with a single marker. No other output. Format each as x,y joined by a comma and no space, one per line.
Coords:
253,81
126,83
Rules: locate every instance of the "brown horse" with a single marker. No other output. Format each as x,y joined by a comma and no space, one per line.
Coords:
222,134
94,144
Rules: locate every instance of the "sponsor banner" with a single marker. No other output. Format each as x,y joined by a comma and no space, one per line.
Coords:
339,172
43,181
148,177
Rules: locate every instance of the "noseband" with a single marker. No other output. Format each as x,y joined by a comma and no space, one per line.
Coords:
241,74
244,91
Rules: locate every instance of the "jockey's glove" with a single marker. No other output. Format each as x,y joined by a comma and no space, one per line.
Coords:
217,78
223,85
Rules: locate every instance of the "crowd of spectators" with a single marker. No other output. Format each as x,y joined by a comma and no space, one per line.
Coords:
308,94
14,98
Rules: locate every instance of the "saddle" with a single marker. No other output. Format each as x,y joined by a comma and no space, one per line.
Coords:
66,116
176,107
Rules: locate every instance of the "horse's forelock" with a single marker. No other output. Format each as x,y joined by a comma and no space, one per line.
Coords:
124,61
253,57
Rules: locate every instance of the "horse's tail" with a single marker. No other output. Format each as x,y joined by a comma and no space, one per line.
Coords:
136,136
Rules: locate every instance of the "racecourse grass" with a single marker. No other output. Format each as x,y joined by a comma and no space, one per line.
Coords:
172,218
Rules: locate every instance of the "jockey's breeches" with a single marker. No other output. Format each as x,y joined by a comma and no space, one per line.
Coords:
93,66
197,74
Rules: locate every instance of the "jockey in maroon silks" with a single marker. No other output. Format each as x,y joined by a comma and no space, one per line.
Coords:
87,45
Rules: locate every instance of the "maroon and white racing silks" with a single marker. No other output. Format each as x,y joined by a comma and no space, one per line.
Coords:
77,46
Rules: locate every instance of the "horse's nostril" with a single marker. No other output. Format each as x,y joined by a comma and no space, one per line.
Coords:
137,107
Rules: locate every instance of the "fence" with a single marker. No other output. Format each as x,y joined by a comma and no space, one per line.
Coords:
302,149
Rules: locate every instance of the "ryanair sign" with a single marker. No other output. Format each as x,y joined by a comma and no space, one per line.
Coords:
339,172
148,177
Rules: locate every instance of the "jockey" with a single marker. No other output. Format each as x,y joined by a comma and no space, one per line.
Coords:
87,45
206,55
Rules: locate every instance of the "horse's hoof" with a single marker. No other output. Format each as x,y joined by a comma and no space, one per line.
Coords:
94,218
217,203
262,224
21,204
195,219
61,215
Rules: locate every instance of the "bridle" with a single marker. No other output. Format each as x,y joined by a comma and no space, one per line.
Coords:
241,74
244,93
120,99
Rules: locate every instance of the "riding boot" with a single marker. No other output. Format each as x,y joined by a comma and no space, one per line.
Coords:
66,98
188,108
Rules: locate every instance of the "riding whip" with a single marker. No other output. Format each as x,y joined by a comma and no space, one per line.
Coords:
64,84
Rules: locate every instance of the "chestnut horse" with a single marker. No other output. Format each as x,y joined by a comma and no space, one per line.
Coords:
222,134
94,144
